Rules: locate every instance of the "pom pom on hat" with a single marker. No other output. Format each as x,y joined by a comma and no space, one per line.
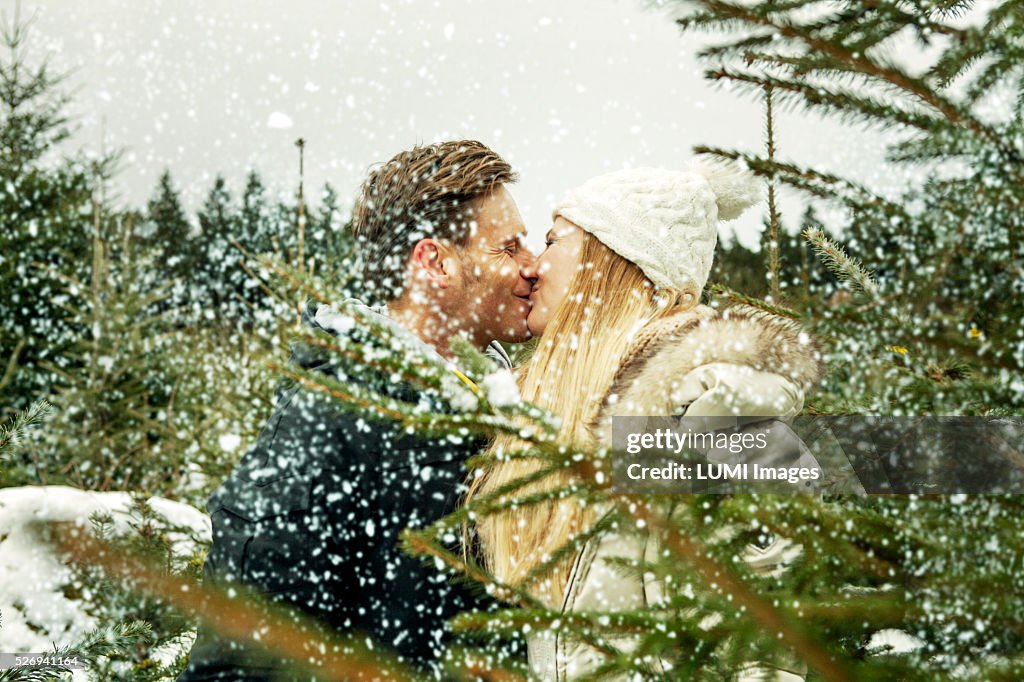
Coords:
736,189
664,221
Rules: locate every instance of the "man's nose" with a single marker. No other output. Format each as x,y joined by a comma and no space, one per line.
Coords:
528,266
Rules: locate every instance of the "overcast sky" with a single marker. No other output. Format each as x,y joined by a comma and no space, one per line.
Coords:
564,89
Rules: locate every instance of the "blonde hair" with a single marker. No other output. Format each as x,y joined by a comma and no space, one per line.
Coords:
609,300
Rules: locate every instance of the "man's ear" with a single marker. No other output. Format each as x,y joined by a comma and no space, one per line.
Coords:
433,261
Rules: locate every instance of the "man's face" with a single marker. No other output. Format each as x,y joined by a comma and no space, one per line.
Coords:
495,299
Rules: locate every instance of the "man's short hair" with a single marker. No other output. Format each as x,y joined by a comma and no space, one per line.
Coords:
427,191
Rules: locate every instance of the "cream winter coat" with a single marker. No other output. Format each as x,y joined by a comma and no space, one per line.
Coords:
699,363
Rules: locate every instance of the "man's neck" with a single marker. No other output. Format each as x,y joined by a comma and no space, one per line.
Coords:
433,328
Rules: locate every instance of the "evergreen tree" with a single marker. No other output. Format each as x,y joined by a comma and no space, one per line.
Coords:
254,239
168,230
141,400
335,244
212,293
806,282
254,233
41,204
943,280
12,433
738,268
162,631
108,383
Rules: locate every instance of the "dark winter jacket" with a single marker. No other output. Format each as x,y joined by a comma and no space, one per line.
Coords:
311,518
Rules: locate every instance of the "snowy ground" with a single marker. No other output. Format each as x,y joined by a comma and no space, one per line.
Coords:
35,614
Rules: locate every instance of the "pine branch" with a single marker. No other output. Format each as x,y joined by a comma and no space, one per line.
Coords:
710,22
505,497
738,48
948,8
244,263
353,397
806,67
474,666
760,609
387,353
870,110
951,145
420,543
819,184
836,259
237,613
11,433
414,371
568,550
529,605
512,620
773,213
884,72
788,520
975,43
722,290
299,280
1009,66
957,60
346,395
957,244
470,359
482,424
12,364
104,642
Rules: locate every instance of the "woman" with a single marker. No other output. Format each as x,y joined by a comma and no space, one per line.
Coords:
616,303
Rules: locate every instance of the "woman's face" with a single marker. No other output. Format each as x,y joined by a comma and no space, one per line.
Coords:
552,272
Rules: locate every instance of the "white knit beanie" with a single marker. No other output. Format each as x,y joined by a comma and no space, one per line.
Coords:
664,221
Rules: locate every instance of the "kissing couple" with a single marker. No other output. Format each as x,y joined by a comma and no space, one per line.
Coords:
311,515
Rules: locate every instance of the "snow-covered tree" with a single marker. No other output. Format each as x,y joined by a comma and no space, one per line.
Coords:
44,206
930,321
167,232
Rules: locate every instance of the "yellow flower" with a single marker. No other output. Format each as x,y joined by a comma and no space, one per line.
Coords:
975,332
898,349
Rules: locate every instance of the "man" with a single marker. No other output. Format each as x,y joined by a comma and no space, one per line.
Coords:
312,514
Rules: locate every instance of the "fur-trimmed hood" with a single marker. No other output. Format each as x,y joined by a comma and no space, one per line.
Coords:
665,351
